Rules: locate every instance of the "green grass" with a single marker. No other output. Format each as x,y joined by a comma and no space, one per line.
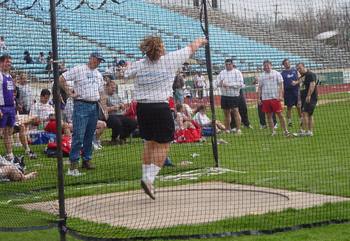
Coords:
339,232
319,165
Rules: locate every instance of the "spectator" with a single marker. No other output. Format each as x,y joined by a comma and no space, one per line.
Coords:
178,89
270,95
182,121
3,46
25,96
204,121
121,125
49,60
309,96
230,80
243,112
199,84
14,171
7,104
62,67
291,92
27,58
87,90
41,110
153,113
41,58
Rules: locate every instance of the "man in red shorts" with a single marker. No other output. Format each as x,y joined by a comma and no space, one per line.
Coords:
270,93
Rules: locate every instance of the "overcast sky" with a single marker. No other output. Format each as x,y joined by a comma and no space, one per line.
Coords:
266,8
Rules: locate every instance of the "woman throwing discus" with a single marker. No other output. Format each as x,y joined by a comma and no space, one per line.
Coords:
154,77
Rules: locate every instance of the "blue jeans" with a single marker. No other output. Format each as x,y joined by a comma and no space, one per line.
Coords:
85,117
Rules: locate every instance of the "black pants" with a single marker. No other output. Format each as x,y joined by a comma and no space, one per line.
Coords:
243,111
121,126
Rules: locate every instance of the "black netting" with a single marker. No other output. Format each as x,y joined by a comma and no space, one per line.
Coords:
166,134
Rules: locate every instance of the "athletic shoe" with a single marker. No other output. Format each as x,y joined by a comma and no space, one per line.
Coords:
95,146
74,173
287,134
233,130
309,133
87,165
300,134
276,126
148,189
32,155
17,144
238,132
263,126
273,133
249,127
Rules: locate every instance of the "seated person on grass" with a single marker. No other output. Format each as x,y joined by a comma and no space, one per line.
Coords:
204,121
14,171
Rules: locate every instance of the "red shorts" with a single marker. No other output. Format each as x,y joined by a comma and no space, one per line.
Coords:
272,106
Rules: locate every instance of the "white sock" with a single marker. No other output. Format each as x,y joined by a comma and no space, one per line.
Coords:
153,172
145,172
27,149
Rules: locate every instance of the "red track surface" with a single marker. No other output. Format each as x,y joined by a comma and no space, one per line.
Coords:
251,96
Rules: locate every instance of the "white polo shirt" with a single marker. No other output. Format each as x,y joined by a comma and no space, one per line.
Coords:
154,80
87,83
269,84
232,80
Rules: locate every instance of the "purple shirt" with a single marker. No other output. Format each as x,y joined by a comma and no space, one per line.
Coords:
8,87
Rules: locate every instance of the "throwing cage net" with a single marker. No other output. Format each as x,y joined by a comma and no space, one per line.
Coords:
175,119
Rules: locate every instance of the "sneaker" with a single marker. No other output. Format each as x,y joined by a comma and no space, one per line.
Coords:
273,133
99,144
301,133
287,134
263,126
276,126
309,133
32,155
17,144
148,188
87,165
249,127
95,146
233,130
74,173
238,132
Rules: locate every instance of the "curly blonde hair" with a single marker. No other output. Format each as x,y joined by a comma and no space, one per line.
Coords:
152,47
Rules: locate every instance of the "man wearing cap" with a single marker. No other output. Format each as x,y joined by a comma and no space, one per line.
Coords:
230,80
87,90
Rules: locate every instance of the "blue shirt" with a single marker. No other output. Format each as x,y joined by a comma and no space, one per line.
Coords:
288,77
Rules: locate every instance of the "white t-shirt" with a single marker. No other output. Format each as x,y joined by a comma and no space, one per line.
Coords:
269,84
202,119
199,81
88,83
232,80
42,111
154,80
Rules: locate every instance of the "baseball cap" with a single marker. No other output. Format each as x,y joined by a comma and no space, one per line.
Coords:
97,55
230,61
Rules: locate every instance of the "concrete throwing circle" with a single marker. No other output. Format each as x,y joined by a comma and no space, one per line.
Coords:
183,204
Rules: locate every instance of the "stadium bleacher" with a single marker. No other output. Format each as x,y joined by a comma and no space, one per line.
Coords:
118,28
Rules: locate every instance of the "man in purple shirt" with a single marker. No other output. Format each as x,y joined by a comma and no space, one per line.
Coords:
7,104
291,92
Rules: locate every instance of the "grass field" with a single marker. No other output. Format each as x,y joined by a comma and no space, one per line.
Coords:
319,164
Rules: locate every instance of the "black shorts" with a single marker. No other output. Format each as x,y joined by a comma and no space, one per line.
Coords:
156,122
229,102
308,107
